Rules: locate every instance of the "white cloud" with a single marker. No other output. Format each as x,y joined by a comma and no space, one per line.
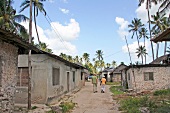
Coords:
123,27
65,1
61,42
132,49
143,14
65,11
51,1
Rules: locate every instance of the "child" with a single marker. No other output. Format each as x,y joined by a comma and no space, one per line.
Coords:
103,82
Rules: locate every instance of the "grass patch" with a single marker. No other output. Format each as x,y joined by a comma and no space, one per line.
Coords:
162,92
51,111
67,106
113,83
116,90
158,102
34,107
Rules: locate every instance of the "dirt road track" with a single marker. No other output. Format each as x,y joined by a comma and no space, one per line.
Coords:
89,102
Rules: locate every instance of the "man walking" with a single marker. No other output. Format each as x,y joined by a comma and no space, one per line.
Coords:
103,82
94,82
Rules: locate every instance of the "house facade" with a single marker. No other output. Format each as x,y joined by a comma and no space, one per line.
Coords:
148,77
106,74
116,74
51,78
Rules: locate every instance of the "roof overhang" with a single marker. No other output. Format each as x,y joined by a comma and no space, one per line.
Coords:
164,36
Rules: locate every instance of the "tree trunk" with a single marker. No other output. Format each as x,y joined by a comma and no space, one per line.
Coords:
35,23
145,48
137,38
150,33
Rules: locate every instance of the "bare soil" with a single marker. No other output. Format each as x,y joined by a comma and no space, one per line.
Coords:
89,102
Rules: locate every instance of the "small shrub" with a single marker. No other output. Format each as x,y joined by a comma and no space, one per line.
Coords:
51,111
34,107
67,106
162,92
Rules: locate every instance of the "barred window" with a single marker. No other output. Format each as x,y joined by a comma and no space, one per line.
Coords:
148,76
56,76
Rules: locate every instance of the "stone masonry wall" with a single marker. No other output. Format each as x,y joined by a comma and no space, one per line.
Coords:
161,76
8,71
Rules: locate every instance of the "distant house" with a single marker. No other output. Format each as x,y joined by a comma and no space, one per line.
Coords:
116,74
52,77
147,77
105,73
10,46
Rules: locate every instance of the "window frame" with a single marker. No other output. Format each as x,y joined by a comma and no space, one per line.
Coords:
148,76
55,79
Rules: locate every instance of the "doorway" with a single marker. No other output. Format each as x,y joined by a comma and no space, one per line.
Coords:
68,83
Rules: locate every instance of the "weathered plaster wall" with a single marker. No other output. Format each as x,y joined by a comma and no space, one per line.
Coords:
43,91
8,68
161,78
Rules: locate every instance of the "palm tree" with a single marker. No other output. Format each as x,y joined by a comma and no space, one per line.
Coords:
114,63
86,57
160,24
143,33
135,27
77,59
62,55
154,33
99,56
43,46
165,6
10,20
108,65
38,6
141,52
148,6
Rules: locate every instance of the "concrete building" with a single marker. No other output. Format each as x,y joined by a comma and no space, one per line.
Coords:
51,78
106,73
116,74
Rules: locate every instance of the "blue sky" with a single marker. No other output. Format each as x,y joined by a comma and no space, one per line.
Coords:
85,26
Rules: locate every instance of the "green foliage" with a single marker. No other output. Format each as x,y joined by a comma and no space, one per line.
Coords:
162,92
67,106
34,107
116,90
132,105
113,83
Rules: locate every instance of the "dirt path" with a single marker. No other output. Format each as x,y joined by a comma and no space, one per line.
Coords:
89,102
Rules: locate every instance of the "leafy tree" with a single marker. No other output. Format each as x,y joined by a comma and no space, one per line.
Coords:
99,57
141,51
114,63
148,6
38,6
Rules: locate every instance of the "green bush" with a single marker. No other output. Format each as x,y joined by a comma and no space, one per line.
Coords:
67,106
162,92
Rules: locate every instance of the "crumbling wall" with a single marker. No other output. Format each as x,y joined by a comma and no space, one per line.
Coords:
8,71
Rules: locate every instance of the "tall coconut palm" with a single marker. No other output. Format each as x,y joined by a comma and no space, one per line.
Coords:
62,55
10,20
141,51
114,63
44,47
77,59
135,27
143,33
86,57
148,6
108,65
38,6
99,56
154,33
160,24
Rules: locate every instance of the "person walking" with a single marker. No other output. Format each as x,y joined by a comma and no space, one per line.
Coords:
103,83
94,82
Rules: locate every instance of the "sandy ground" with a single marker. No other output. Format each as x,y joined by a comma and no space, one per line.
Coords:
89,102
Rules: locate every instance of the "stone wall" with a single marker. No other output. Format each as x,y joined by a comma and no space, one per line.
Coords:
8,71
161,78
